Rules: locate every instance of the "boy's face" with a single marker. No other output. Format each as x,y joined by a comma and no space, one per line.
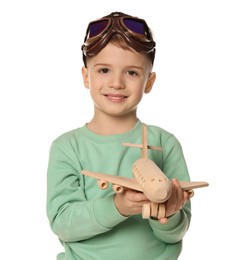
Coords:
117,80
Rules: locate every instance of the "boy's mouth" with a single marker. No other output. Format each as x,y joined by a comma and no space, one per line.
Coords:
115,97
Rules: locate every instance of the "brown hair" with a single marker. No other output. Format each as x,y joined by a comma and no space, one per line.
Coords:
119,41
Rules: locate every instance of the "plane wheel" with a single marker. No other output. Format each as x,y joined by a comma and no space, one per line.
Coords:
103,184
117,188
146,211
161,211
190,193
154,210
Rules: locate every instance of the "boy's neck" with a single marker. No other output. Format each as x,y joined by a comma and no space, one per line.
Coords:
112,125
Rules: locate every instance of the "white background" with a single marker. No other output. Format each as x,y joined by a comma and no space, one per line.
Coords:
195,97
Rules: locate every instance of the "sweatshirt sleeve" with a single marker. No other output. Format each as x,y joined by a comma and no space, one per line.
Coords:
174,166
72,217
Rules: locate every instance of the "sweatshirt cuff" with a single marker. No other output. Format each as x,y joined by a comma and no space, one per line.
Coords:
106,213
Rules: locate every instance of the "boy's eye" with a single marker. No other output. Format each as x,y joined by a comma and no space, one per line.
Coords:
104,70
132,72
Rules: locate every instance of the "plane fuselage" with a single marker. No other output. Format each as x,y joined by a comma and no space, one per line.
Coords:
156,186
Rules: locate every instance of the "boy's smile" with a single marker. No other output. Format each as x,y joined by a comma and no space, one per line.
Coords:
116,97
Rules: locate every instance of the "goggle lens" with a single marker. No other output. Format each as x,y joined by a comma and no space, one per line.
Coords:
97,28
134,26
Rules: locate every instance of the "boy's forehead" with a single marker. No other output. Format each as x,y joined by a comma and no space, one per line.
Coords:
112,54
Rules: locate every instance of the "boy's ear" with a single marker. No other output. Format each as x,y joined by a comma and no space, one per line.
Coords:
84,72
150,82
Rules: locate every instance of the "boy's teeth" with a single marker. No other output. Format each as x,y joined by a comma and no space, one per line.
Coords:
113,97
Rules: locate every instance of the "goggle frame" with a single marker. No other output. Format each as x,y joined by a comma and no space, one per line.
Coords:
141,42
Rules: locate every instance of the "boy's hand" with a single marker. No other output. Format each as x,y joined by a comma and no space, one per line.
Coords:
176,201
130,202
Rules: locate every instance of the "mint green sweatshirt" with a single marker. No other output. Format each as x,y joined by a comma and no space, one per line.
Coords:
85,218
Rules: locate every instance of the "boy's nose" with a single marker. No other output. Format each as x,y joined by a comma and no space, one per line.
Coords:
117,82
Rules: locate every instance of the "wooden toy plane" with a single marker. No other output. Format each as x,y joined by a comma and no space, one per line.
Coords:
148,178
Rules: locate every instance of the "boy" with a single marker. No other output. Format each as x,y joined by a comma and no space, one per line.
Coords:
118,54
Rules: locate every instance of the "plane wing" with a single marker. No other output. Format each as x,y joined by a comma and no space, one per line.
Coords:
189,185
129,183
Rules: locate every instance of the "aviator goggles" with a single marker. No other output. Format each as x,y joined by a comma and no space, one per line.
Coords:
135,32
